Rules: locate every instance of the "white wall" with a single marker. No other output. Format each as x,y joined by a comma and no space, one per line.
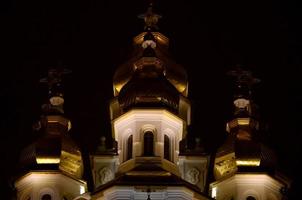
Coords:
36,184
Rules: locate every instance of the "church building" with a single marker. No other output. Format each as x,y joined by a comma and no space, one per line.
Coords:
152,155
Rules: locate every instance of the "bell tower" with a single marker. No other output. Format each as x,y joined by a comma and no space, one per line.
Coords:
150,113
52,166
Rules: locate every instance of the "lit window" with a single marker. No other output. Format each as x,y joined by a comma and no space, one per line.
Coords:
167,148
148,144
82,189
129,147
214,192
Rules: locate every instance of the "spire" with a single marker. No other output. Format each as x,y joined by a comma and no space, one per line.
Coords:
54,149
244,79
244,83
149,41
55,88
150,18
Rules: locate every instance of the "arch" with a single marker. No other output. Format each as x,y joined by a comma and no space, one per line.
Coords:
83,197
46,197
167,148
124,145
129,148
148,143
48,194
172,147
251,194
148,128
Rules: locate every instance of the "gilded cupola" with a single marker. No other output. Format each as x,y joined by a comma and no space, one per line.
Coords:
54,148
151,49
243,147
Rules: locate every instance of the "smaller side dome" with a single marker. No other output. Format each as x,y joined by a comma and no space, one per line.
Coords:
54,150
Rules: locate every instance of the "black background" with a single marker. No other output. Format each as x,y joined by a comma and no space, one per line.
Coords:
207,37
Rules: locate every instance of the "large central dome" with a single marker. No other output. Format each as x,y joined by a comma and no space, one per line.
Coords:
148,87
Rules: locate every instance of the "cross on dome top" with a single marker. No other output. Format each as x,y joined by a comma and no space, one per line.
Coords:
150,18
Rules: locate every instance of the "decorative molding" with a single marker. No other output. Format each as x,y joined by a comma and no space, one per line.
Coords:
148,128
139,121
145,115
105,175
157,193
192,176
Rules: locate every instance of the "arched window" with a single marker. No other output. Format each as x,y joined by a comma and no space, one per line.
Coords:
129,147
167,148
250,198
148,144
46,197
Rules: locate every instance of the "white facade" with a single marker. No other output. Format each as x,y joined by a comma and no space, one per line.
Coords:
244,185
141,193
58,186
139,121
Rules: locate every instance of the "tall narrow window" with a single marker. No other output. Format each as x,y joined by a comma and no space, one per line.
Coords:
148,144
167,148
129,147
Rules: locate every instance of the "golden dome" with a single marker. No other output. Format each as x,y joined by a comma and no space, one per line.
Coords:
174,72
149,89
55,149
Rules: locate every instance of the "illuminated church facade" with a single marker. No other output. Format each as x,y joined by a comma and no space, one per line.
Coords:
150,156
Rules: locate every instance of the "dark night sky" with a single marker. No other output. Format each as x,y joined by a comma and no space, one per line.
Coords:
208,38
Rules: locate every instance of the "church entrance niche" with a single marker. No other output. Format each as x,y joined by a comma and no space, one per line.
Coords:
167,148
129,147
148,144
